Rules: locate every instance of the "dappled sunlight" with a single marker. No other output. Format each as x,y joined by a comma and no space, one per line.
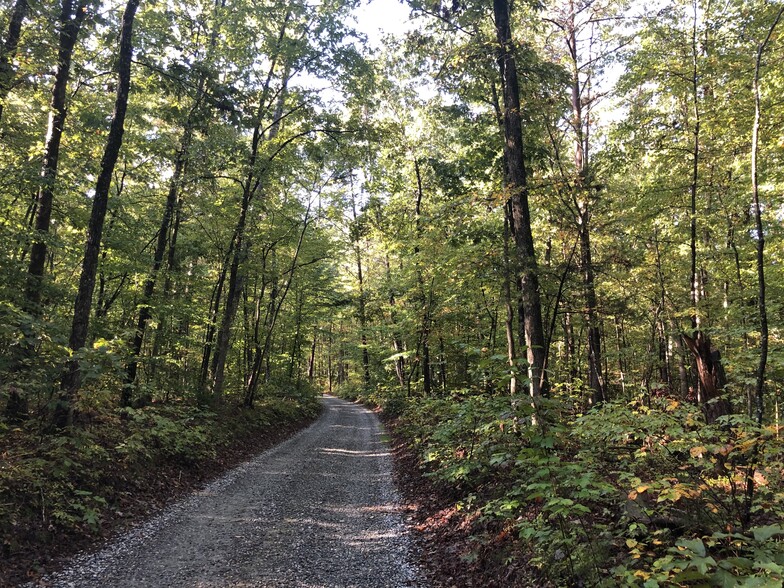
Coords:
335,450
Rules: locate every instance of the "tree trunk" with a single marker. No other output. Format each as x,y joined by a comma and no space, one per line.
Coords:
71,18
711,376
8,51
518,194
761,297
71,378
695,161
397,342
511,352
266,352
145,311
251,187
312,359
424,334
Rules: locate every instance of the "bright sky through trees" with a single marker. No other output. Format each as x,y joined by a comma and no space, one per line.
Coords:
382,17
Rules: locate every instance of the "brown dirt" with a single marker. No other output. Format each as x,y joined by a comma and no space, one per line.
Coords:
458,548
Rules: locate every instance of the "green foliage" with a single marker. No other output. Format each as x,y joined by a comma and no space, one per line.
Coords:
64,485
626,491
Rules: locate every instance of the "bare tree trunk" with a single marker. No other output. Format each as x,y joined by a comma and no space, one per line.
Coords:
71,378
511,352
695,158
711,376
145,311
312,360
250,393
518,194
8,50
71,18
761,299
362,302
424,333
582,206
397,343
251,187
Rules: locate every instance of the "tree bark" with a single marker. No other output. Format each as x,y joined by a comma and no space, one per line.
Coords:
145,311
71,18
761,294
251,187
71,378
711,376
518,193
424,334
8,51
266,351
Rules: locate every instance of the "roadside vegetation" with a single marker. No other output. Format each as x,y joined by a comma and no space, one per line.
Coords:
65,492
547,236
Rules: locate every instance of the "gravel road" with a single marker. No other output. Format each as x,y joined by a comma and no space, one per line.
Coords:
317,511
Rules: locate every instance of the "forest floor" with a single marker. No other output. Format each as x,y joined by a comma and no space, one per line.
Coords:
457,548
48,550
319,509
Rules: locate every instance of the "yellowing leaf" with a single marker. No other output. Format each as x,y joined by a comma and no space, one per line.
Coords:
697,451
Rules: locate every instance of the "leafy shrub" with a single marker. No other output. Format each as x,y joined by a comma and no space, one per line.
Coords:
628,491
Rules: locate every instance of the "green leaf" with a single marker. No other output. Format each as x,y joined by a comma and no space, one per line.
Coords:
765,533
696,546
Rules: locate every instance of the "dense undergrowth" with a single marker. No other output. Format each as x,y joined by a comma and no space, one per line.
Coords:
639,493
76,486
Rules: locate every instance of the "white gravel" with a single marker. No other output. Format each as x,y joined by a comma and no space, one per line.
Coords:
317,511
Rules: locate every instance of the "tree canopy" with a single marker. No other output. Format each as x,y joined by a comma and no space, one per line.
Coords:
547,235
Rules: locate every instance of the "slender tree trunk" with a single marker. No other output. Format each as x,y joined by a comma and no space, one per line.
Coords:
424,335
330,371
296,343
266,352
312,360
760,229
518,189
511,352
71,378
694,286
8,50
582,198
209,336
71,18
145,311
362,301
251,188
235,285
397,343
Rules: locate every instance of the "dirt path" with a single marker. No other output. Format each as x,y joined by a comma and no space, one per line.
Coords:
317,511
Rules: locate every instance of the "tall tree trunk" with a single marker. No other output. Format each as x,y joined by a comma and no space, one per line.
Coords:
312,358
71,378
266,352
424,335
209,336
251,188
357,234
397,342
694,286
582,205
761,299
518,194
71,18
8,50
511,352
145,310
